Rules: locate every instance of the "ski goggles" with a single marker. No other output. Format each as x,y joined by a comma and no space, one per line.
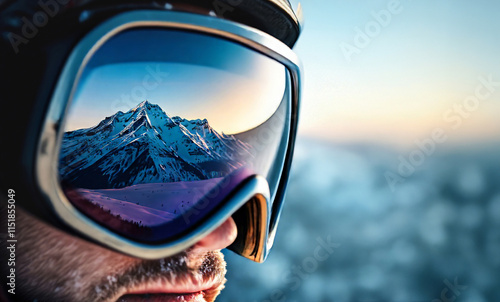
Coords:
163,125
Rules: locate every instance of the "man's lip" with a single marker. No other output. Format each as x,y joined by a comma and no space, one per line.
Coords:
192,297
162,287
162,291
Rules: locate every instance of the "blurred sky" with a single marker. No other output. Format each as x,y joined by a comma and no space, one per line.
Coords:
400,84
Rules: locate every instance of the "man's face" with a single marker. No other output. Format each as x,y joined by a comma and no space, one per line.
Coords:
54,266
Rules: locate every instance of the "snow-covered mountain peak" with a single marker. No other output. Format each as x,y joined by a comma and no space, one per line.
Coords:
145,105
146,139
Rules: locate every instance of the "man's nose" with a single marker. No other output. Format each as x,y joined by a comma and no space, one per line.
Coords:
219,238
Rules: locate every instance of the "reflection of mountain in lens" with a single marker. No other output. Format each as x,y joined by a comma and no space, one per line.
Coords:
145,145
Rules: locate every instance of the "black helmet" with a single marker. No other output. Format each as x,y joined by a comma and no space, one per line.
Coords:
275,17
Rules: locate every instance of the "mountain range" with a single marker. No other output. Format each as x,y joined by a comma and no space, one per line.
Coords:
146,145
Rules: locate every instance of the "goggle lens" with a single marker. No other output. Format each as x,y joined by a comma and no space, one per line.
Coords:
165,124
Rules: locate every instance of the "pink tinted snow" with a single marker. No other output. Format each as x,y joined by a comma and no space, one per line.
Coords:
151,204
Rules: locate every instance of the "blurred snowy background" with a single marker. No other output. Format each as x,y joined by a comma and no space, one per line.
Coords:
379,75
438,228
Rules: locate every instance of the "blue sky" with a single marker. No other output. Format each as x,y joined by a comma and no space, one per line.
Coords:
397,88
188,75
